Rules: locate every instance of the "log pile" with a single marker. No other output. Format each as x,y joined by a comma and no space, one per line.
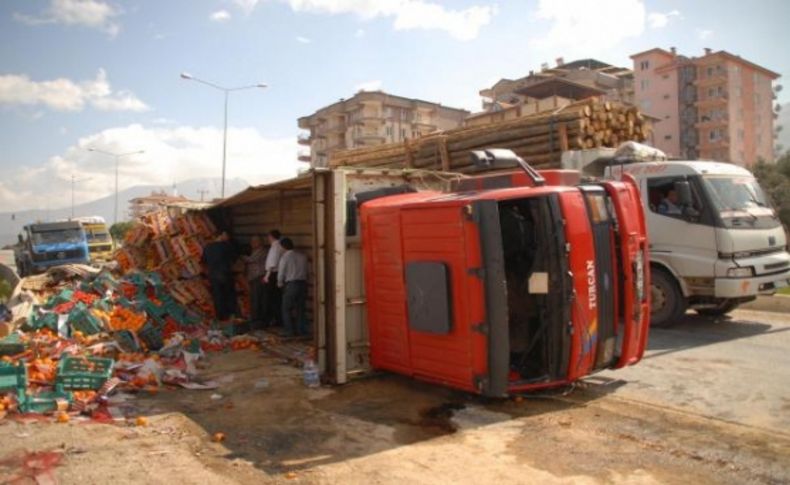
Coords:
539,139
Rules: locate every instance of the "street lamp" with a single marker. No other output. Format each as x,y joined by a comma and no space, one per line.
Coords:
227,91
117,157
73,181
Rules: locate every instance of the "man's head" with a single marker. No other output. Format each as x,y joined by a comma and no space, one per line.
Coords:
274,235
255,242
286,243
672,196
223,236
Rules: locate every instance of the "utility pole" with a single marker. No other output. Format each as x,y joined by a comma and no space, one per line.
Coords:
202,193
117,157
226,91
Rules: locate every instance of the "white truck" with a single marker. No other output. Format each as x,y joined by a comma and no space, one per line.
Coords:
715,241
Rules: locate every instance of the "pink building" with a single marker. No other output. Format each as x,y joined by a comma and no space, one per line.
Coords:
717,106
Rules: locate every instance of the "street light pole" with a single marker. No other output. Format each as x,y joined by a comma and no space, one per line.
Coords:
226,92
117,157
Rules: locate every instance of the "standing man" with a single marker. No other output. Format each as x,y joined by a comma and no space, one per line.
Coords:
292,278
273,300
256,270
218,256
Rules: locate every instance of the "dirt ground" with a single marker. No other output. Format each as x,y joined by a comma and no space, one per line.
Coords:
388,429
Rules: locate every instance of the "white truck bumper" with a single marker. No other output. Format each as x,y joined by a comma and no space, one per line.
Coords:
758,285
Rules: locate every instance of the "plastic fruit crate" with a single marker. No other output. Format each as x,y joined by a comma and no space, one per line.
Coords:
45,402
13,377
126,340
83,372
82,320
11,345
151,335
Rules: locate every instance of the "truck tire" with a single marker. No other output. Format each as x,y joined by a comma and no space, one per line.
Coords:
667,303
725,306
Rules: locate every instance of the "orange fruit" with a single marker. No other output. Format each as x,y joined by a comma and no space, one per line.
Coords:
62,417
218,437
141,421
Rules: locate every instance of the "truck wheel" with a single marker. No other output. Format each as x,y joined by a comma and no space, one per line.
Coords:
666,301
724,307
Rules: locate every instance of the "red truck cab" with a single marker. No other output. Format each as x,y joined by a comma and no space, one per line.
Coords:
507,284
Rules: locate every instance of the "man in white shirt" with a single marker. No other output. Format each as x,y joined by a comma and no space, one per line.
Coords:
272,315
292,278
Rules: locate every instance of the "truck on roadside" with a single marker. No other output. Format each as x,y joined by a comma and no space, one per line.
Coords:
715,240
514,281
43,245
100,243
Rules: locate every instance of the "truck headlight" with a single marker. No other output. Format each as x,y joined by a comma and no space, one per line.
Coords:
639,275
743,272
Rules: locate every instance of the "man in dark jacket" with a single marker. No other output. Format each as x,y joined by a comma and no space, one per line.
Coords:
218,257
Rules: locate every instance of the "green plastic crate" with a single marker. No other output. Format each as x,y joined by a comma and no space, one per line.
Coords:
75,372
82,320
11,345
64,296
13,377
44,402
38,321
151,335
126,340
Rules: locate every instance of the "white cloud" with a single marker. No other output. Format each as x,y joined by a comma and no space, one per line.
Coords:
171,154
658,20
579,26
95,14
302,40
374,85
704,34
462,24
359,33
220,16
66,95
247,6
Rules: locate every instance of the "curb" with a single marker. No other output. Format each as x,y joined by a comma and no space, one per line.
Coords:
775,303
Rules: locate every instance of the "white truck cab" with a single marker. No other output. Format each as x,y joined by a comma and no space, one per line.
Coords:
715,241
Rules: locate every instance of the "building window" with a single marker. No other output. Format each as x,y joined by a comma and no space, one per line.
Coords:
646,104
403,133
666,117
666,96
665,76
740,135
710,71
644,65
645,84
389,131
667,137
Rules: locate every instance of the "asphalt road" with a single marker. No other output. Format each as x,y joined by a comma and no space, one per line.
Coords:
735,369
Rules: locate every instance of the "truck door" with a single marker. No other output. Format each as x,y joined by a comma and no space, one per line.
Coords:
447,344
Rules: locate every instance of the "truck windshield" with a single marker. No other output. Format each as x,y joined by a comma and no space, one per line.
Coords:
737,197
55,237
97,236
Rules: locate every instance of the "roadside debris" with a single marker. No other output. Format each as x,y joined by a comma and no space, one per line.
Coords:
87,333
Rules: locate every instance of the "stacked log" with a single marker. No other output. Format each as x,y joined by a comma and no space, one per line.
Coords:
539,139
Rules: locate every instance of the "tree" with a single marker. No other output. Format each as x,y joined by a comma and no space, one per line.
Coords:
119,229
774,178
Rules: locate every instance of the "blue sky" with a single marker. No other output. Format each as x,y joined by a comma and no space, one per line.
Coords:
100,73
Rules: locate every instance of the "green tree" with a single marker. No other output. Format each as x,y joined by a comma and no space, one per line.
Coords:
119,229
775,180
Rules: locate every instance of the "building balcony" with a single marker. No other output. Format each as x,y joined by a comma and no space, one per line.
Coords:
368,119
304,139
713,101
369,137
304,156
712,122
711,81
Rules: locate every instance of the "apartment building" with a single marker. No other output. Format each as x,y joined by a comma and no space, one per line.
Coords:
565,80
371,118
140,206
718,106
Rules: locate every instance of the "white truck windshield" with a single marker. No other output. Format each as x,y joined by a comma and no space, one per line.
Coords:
737,196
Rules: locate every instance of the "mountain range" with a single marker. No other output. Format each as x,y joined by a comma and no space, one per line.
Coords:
11,223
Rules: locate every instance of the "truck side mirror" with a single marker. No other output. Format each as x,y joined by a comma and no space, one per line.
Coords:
683,190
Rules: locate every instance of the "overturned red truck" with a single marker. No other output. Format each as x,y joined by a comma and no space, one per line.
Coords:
512,282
